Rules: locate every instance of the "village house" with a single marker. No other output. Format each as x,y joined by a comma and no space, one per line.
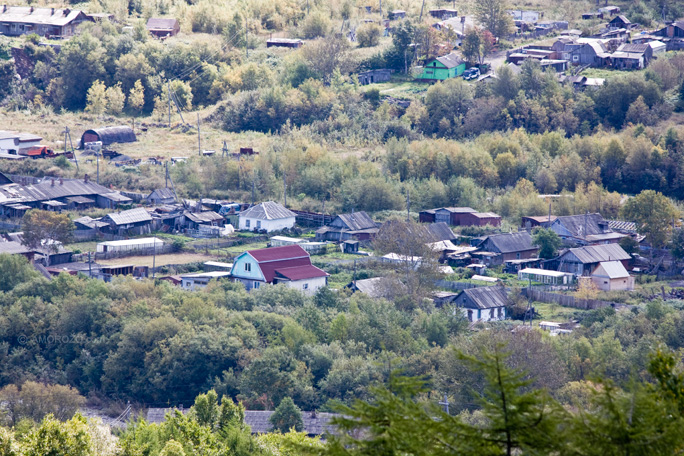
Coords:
483,303
16,199
47,22
353,226
442,68
610,9
620,22
459,216
581,51
192,282
506,246
632,56
612,276
585,229
525,15
163,27
290,265
268,216
161,196
194,220
530,222
128,223
583,261
396,14
672,35
592,15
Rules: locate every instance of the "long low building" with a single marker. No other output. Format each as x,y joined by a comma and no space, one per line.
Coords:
129,245
49,22
545,276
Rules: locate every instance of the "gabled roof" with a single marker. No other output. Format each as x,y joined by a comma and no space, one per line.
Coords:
136,215
162,193
439,231
268,210
450,60
300,272
611,269
357,220
620,18
204,217
42,16
13,248
90,222
157,23
633,48
598,253
286,252
486,297
510,242
50,189
583,225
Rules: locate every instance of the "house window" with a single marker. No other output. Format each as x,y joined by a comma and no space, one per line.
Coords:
256,284
248,267
470,315
306,286
247,223
258,225
517,256
499,313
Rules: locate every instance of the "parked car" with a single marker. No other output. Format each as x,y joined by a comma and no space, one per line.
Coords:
471,73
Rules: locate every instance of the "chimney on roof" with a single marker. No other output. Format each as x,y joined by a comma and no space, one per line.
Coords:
4,8
66,11
52,12
31,11
61,181
53,183
85,179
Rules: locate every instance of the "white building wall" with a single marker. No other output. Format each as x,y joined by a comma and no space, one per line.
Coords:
485,314
9,144
308,286
268,225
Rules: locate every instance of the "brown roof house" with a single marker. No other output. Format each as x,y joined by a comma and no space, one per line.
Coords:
163,27
356,225
499,248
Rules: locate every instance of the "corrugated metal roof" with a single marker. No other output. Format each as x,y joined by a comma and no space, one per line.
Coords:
268,210
204,217
301,272
622,225
486,297
162,193
110,135
286,252
612,269
583,225
12,248
439,231
450,60
357,220
136,215
43,16
597,253
50,189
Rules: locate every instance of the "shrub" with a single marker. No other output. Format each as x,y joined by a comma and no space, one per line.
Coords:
368,35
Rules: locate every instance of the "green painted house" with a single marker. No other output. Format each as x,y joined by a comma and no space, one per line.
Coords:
445,67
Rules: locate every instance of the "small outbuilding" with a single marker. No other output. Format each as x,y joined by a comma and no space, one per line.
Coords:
109,135
442,68
284,42
612,276
161,196
483,303
163,27
374,76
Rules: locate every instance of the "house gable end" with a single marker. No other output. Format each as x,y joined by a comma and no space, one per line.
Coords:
246,261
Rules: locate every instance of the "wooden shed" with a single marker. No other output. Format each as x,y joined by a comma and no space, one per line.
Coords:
163,27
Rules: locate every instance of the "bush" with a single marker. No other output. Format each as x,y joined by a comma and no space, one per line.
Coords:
315,25
368,35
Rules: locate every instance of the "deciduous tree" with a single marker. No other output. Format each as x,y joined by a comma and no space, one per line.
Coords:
653,213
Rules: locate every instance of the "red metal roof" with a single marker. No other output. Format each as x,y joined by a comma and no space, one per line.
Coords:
286,252
301,272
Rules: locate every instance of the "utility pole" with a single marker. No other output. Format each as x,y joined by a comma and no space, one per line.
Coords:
420,18
166,174
168,91
97,160
285,188
67,134
225,149
154,256
199,140
408,206
380,10
252,190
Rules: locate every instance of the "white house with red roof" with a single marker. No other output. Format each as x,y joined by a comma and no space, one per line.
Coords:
289,264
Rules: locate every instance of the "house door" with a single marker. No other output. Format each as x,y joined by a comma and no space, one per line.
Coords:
470,315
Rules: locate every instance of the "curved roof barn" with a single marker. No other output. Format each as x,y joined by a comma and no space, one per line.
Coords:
109,135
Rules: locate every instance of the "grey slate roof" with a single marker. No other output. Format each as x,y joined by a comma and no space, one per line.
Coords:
158,23
597,253
42,16
268,210
204,217
510,242
50,189
575,224
450,60
357,221
136,215
162,193
13,248
486,297
439,231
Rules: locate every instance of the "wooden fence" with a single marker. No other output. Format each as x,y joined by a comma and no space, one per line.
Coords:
166,248
567,300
